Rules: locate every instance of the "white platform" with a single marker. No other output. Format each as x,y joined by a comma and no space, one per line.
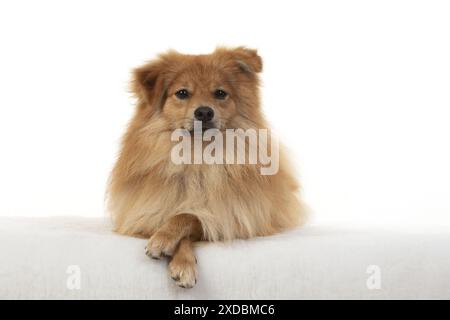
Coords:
314,262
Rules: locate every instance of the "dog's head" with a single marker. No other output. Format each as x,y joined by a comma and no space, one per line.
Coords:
218,89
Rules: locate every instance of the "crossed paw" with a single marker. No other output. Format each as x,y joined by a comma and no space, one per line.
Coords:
182,266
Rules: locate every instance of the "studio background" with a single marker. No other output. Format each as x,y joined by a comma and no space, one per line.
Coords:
357,90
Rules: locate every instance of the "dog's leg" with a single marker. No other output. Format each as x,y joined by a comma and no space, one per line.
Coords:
165,240
175,238
182,266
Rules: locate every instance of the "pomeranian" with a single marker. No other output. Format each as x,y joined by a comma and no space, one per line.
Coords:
176,203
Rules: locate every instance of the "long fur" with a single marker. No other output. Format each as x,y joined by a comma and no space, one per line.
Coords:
231,201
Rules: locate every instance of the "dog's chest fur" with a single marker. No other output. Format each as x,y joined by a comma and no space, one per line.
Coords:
229,200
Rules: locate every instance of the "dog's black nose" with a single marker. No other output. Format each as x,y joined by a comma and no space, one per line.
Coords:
204,114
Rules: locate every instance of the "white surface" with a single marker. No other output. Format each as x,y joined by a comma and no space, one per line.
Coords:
315,262
357,89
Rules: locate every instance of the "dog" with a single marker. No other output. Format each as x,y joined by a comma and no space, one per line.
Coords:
174,205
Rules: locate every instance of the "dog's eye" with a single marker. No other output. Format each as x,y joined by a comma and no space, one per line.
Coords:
182,94
220,94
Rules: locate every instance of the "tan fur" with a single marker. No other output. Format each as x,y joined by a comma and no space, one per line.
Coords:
151,196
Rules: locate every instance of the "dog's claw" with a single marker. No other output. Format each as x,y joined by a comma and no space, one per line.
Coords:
150,254
160,246
183,273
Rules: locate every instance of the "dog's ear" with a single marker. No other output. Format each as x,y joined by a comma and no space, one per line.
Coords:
246,59
149,83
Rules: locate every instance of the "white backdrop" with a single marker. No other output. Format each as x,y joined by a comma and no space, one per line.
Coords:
358,90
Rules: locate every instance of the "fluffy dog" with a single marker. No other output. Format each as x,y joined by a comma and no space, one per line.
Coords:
175,205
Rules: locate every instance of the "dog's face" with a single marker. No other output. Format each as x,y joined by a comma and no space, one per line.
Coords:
202,92
218,89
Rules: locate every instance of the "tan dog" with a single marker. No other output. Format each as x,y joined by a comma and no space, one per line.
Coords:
176,204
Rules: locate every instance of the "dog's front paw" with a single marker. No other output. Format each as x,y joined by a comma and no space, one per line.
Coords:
161,244
183,272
